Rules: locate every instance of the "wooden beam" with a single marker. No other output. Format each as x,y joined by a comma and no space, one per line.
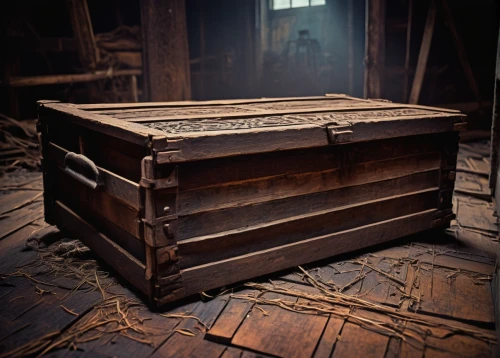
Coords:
374,48
165,50
424,54
83,33
58,79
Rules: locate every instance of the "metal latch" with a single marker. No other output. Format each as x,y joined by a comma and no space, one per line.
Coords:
338,135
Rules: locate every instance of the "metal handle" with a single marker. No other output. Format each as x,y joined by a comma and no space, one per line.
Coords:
82,169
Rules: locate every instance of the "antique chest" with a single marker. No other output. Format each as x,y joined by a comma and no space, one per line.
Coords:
183,197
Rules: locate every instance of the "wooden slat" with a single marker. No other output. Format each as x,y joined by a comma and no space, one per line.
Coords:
10,222
278,187
131,132
205,145
272,112
203,173
118,222
96,203
247,215
400,127
124,263
449,296
229,143
177,345
153,112
424,254
232,352
106,108
204,110
133,106
240,268
35,316
356,341
229,320
457,345
254,332
18,199
118,187
224,245
11,248
113,154
329,337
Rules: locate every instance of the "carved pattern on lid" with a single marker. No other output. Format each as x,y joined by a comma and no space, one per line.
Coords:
178,111
205,125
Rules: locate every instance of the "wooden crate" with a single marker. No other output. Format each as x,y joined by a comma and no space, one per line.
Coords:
183,197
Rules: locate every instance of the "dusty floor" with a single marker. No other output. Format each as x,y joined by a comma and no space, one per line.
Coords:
429,294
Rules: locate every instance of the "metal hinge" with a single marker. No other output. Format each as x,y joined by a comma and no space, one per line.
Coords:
338,135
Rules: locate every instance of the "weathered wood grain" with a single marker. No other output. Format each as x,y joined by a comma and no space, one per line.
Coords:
227,185
253,331
203,173
214,144
227,244
248,215
229,320
165,50
256,101
243,267
97,204
356,341
278,187
130,132
116,155
445,293
10,222
128,266
18,199
180,345
329,338
115,186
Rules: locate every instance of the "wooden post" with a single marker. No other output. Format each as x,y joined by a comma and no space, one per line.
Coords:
424,54
86,46
203,52
374,48
408,47
83,33
248,18
263,35
165,50
495,132
350,45
494,183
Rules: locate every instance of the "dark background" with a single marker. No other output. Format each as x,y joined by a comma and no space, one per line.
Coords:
239,49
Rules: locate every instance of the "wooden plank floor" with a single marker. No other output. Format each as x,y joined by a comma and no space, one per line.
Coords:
425,295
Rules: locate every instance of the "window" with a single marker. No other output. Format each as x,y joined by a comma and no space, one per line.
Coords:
292,4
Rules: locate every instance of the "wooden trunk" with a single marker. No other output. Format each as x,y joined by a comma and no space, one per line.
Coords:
183,197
